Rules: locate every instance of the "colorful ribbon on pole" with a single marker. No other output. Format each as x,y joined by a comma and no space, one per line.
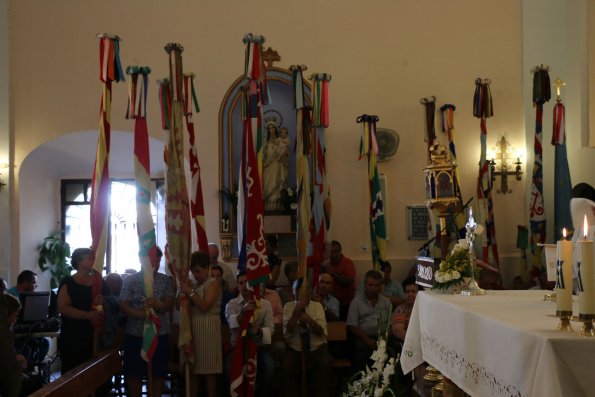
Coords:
537,220
482,109
110,70
138,85
196,205
177,208
369,148
321,198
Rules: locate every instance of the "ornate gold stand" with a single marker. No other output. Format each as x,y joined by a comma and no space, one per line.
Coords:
550,297
564,317
587,328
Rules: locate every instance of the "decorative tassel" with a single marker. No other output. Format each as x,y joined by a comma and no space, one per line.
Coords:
137,91
109,58
320,101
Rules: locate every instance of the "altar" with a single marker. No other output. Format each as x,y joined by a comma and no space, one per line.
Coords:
500,344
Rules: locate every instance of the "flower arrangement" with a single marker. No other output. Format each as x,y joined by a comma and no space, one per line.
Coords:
454,270
375,381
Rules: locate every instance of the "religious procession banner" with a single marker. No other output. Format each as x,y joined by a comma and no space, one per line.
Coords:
369,149
138,85
482,109
537,221
321,194
562,181
110,70
250,211
197,207
177,204
303,150
448,127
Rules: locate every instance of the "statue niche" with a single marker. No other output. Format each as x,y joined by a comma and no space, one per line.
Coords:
278,159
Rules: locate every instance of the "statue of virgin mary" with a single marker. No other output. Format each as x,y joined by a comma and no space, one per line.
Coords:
275,168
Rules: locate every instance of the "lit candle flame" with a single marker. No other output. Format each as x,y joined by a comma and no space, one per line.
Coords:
564,233
585,227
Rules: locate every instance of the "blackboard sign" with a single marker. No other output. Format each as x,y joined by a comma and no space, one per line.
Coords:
426,267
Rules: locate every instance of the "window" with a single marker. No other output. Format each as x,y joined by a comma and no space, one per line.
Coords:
122,240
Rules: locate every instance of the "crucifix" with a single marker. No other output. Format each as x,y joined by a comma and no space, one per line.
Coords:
558,84
270,56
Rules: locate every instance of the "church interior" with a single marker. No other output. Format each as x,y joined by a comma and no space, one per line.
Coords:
384,56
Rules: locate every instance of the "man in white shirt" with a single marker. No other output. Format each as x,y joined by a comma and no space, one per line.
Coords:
304,327
262,326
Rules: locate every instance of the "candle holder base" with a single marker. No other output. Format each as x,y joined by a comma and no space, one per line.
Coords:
550,297
587,327
564,317
433,374
473,289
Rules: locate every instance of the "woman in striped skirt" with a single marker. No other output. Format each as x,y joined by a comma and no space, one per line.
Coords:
205,299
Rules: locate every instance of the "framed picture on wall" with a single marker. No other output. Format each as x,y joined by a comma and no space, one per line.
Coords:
418,222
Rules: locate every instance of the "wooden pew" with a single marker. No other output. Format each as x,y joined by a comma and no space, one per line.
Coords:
337,332
84,379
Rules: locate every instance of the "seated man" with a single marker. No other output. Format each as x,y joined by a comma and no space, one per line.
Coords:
262,326
26,282
329,303
34,349
367,319
304,327
391,289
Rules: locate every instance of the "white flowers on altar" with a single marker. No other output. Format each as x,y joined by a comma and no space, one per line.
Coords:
375,381
454,270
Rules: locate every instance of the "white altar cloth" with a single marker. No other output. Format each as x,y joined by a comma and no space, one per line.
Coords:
500,344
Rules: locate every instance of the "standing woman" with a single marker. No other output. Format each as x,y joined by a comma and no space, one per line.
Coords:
77,306
205,299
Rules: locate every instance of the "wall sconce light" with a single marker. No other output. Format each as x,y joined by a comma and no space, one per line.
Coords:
502,164
2,183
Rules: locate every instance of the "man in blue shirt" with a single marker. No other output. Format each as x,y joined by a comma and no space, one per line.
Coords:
26,282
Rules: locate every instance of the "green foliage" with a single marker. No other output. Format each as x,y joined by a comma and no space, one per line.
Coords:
54,255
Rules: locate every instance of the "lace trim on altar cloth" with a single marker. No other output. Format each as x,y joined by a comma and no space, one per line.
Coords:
470,370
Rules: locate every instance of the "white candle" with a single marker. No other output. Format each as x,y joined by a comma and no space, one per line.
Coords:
564,276
584,259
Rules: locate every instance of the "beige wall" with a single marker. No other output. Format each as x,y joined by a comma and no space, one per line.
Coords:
383,56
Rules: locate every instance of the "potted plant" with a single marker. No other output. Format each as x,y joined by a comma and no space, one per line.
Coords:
54,254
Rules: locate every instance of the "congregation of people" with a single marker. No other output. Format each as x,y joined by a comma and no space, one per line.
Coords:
219,298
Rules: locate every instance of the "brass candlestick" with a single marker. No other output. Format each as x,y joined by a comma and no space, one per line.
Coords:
564,317
587,327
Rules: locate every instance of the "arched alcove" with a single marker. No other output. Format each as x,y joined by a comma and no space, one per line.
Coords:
69,156
281,108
